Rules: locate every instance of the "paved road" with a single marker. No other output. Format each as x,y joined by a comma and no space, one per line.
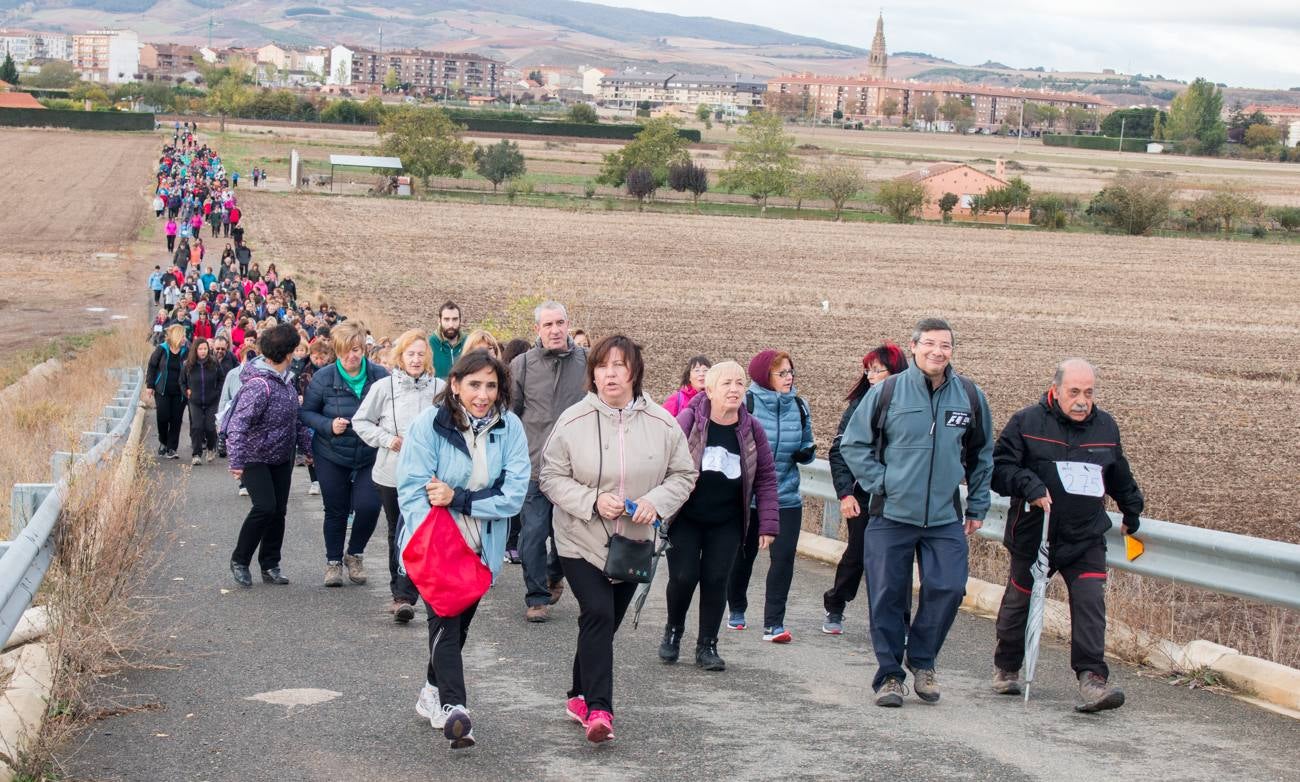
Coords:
779,713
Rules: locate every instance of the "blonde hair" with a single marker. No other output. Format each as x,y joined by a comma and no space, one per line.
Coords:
347,334
481,340
716,372
175,335
408,339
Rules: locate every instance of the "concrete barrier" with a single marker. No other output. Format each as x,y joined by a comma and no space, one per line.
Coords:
26,701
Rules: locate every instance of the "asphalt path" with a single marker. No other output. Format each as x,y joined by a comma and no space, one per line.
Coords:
301,682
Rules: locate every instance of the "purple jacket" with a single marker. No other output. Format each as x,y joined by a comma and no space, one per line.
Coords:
263,424
757,469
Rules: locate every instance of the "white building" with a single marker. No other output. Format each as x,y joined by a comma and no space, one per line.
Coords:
273,55
591,79
312,60
340,66
628,89
24,45
208,55
107,56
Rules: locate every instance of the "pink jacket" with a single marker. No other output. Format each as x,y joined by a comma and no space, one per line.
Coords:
679,399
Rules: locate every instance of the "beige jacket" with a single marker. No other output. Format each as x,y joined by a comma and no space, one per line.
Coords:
637,452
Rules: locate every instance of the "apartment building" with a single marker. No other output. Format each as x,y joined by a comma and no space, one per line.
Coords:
628,89
429,72
107,56
24,45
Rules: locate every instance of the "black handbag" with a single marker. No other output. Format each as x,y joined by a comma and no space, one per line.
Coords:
629,560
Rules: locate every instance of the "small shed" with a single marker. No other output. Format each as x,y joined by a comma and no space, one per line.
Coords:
1155,148
362,161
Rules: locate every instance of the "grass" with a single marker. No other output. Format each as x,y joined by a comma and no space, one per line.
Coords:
17,364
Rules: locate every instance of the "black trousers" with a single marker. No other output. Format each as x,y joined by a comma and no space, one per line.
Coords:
601,607
848,573
779,572
263,528
399,585
171,242
171,408
203,428
1086,580
447,636
701,554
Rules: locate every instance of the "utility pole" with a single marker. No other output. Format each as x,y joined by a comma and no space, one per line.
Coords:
210,32
1122,120
1021,133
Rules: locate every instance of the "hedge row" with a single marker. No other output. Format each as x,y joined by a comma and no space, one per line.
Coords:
77,120
579,129
1095,142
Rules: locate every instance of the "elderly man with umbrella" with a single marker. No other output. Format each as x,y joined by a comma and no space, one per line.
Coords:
1059,459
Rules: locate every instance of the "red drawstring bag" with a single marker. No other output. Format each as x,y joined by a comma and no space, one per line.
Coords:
449,575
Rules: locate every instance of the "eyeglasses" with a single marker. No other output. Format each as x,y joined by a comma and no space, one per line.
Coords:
880,371
785,373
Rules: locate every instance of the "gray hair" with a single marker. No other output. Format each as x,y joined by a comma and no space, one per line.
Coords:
1072,363
933,324
549,306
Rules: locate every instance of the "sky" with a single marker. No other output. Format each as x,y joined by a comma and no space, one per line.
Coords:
1257,45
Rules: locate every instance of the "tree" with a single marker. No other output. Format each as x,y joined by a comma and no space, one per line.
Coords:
704,114
583,113
838,181
158,94
641,183
657,147
1287,217
761,162
86,91
1011,197
499,162
691,178
536,77
948,202
1079,118
1133,203
391,82
1224,206
1049,114
787,105
1136,123
58,74
9,71
889,107
427,141
1258,136
1194,118
902,199
928,109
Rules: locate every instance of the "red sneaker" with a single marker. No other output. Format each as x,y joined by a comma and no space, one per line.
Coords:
576,708
600,727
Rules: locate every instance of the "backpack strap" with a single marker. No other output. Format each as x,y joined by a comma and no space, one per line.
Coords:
970,444
749,402
803,413
878,416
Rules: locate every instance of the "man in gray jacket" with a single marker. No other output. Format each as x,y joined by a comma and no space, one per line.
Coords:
910,444
545,381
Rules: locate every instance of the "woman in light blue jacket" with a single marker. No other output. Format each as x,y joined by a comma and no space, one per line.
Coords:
469,455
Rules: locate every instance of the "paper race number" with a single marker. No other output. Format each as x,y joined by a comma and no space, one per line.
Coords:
1081,478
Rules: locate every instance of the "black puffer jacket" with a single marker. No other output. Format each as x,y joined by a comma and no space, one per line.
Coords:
1025,466
328,397
164,373
203,381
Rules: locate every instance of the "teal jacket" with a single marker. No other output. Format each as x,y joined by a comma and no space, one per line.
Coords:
434,446
790,434
925,458
445,354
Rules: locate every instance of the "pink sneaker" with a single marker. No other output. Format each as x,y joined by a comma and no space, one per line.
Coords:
600,727
576,708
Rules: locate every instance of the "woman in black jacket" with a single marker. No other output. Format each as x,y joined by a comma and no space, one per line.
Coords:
163,381
877,365
343,461
201,380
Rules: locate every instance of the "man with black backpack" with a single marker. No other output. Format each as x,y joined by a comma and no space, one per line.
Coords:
910,444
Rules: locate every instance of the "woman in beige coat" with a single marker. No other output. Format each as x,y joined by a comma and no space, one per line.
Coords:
614,445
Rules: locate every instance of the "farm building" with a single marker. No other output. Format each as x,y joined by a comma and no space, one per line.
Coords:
966,182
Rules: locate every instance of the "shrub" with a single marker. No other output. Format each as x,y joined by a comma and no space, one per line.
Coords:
1052,211
641,184
902,199
589,190
689,177
1095,142
1132,203
1286,217
948,202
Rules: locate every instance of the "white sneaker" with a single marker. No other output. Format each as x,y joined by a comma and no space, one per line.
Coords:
243,492
455,724
314,488
428,703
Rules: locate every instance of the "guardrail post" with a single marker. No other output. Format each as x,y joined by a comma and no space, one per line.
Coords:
61,464
24,501
831,519
91,439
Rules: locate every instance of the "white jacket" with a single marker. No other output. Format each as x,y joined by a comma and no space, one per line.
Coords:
387,412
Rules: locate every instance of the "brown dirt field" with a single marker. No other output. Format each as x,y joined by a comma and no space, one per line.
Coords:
72,205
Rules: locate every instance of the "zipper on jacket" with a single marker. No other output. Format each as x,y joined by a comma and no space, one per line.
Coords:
934,420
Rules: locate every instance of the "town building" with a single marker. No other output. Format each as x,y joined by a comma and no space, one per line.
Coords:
965,182
18,100
1285,118
107,56
433,73
167,61
340,66
25,45
626,90
591,77
878,61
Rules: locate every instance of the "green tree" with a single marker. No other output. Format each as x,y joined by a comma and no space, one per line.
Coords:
1287,217
838,182
499,162
427,141
1258,136
1194,118
704,114
761,163
1225,206
928,109
86,91
1133,203
1136,123
583,113
1011,197
9,71
902,199
159,95
1079,118
657,148
889,107
948,202
1048,115
58,74
391,82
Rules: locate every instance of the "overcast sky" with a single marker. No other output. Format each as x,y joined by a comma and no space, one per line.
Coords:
1253,45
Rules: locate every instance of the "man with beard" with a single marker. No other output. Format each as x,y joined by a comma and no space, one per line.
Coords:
545,381
446,342
1062,456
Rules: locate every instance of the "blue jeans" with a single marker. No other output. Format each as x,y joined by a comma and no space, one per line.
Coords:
541,568
344,491
889,550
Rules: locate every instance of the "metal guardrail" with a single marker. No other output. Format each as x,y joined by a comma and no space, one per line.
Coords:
36,506
1254,568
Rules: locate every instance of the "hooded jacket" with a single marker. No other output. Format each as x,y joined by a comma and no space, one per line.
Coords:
387,412
434,445
445,353
637,452
926,455
328,397
790,434
544,383
757,473
678,400
1025,460
262,426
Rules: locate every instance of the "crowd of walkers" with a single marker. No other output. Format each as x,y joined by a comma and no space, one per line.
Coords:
551,455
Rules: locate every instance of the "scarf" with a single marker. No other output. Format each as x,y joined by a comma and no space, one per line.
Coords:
357,382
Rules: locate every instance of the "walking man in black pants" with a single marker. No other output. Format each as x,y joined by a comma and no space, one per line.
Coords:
1062,456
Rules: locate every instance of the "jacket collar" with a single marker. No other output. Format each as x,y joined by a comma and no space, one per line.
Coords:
593,399
445,427
563,352
1048,400
770,397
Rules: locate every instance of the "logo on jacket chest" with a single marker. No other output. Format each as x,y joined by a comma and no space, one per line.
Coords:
957,418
